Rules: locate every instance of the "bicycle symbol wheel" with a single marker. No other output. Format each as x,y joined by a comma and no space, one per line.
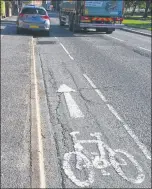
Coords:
117,166
86,163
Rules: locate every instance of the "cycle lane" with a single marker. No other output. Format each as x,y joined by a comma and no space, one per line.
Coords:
59,69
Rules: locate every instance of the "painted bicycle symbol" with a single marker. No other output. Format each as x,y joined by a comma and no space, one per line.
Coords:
99,161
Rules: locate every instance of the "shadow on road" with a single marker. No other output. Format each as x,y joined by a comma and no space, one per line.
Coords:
63,31
8,27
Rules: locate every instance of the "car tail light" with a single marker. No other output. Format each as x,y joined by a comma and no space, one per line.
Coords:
46,17
21,15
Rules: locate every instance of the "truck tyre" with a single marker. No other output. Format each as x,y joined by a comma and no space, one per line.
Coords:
18,30
85,30
62,23
70,25
75,28
109,32
98,29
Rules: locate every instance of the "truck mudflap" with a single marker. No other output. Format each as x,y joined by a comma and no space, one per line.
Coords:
93,25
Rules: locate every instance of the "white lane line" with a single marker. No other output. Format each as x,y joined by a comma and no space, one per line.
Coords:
67,51
38,116
89,80
115,38
145,49
94,87
74,110
141,146
101,95
114,112
64,49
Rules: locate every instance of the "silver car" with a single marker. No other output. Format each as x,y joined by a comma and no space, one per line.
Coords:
33,18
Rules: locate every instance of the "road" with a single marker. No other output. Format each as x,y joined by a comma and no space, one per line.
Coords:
93,105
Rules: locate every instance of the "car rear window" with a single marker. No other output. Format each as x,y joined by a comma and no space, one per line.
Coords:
33,11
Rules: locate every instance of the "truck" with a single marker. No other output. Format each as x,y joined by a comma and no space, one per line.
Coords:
103,15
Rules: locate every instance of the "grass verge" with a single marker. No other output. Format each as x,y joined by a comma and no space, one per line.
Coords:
138,22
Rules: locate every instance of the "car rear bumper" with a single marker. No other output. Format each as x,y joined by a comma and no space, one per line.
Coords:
34,26
35,29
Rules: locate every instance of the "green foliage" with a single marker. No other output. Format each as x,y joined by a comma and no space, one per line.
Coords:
2,8
8,4
138,4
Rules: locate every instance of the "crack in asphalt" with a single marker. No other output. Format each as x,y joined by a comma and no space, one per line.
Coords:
52,80
54,133
87,108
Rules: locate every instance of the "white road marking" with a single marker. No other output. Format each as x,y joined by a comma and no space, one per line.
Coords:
114,112
74,110
89,80
64,49
40,143
94,87
115,38
145,49
99,161
142,147
67,51
71,175
2,36
101,95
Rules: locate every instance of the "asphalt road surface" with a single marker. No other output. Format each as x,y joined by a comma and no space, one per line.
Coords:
94,95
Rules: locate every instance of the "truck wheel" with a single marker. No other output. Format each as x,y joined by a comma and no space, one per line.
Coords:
98,29
70,26
18,30
75,28
62,23
84,30
109,32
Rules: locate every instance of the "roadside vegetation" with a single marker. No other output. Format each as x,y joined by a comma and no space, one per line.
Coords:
137,14
2,8
138,22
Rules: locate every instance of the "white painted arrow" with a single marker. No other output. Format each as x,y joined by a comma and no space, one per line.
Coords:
74,110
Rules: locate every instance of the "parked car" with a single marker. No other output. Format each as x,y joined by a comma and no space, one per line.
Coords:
33,18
